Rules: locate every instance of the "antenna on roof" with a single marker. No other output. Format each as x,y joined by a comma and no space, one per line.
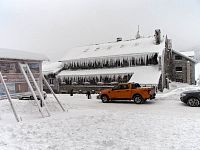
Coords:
138,33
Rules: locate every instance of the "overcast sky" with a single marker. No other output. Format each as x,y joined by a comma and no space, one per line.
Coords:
52,27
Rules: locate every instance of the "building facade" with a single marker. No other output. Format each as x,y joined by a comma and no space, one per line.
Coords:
147,60
176,67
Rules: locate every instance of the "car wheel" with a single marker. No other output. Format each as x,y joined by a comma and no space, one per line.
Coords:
104,98
138,99
193,102
31,98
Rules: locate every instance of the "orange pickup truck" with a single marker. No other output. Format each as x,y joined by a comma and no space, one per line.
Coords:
128,91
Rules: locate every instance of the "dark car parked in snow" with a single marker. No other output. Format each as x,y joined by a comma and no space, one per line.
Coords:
191,98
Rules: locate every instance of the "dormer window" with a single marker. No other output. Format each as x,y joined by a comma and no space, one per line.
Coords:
121,46
136,44
97,48
109,47
86,50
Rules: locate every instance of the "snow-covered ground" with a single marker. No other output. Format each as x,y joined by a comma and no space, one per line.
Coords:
163,123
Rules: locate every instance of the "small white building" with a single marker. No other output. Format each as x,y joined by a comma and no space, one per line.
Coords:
50,70
9,67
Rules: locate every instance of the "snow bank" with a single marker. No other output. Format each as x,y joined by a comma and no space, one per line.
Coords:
176,88
163,123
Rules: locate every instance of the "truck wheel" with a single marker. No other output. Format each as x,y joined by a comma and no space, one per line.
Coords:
104,98
138,99
193,102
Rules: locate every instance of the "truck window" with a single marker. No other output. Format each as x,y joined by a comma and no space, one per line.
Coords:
116,87
124,86
135,85
120,87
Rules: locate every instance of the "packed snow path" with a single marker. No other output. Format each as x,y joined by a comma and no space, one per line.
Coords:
163,123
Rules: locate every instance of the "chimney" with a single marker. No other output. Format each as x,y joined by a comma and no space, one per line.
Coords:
168,43
157,36
119,39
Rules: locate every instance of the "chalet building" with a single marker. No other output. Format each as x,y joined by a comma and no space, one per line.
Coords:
50,70
177,67
146,60
10,69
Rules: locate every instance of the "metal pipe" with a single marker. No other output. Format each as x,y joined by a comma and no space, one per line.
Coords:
9,98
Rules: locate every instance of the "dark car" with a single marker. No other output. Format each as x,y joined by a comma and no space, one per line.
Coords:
191,98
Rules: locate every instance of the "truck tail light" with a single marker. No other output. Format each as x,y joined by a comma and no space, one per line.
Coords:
151,91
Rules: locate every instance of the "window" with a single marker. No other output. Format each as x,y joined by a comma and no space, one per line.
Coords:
121,46
109,47
51,81
178,57
86,50
97,48
179,80
179,69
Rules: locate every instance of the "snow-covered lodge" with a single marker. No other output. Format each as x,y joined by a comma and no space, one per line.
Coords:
10,69
50,70
146,60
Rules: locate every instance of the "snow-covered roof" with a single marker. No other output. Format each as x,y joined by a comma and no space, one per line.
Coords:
188,53
22,55
96,72
146,75
181,54
112,49
51,67
141,74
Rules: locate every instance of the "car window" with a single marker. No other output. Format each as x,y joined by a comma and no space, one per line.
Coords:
135,85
